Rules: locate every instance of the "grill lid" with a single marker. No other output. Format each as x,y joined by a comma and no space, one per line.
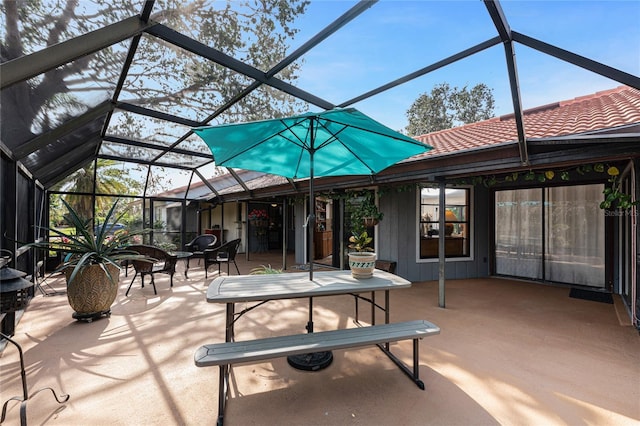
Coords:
11,279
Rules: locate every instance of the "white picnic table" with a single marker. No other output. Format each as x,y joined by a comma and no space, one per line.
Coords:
310,351
248,288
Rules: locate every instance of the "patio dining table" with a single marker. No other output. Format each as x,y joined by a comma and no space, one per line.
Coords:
261,289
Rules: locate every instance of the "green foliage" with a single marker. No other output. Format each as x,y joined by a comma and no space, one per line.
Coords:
445,107
471,106
361,205
56,210
82,247
165,245
613,196
360,242
265,270
80,184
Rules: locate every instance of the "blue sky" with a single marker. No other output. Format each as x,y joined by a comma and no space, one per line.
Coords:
394,38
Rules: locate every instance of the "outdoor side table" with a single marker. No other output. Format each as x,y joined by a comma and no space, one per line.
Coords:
183,255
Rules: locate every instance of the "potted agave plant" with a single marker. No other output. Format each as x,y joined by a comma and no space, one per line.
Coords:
92,261
362,260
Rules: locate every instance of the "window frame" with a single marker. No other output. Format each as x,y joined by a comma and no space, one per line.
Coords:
467,223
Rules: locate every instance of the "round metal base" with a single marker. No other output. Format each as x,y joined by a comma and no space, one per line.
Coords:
314,361
91,316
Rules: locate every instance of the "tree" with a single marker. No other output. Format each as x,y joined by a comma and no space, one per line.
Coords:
79,186
161,76
446,107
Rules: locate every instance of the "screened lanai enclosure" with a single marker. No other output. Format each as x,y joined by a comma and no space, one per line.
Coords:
99,100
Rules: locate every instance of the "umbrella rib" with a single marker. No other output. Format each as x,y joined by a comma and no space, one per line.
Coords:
301,144
334,138
289,128
260,142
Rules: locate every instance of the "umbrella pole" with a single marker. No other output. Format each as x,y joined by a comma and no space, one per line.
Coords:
311,228
312,204
313,361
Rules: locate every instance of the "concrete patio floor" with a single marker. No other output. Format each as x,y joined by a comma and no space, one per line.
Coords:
510,353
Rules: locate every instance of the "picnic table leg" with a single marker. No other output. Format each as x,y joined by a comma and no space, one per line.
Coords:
386,306
386,312
223,381
414,374
223,385
373,308
229,334
372,301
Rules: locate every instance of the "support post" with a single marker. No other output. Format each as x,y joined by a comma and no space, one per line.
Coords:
441,246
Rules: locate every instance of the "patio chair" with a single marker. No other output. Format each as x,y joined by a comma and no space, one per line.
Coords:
165,263
199,244
226,253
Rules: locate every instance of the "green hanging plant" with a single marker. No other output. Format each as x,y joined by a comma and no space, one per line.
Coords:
614,198
361,206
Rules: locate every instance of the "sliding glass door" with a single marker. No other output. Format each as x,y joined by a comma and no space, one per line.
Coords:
519,233
556,234
575,235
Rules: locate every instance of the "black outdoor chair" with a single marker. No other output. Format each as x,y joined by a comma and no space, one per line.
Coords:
199,244
164,263
226,253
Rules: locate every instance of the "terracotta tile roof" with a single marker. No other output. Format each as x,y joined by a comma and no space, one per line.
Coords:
601,110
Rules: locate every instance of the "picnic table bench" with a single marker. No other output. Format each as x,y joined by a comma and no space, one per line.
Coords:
227,353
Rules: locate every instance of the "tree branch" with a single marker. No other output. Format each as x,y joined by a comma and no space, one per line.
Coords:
62,23
14,48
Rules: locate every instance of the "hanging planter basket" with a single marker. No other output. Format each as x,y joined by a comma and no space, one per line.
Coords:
369,221
259,223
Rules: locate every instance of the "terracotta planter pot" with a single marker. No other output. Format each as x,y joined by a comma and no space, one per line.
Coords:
362,264
91,291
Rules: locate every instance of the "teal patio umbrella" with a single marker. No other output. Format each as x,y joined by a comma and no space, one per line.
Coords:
337,142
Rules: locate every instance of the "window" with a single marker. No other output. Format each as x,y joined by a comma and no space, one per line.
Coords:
457,230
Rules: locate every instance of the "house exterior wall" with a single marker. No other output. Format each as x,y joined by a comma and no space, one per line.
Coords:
399,228
228,217
191,218
396,235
